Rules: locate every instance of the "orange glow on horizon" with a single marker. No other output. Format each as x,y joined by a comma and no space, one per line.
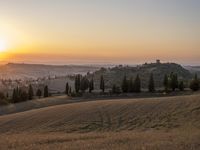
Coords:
117,37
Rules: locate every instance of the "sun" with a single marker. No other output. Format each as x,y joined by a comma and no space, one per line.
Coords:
3,45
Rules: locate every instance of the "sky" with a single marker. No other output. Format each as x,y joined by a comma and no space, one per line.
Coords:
100,31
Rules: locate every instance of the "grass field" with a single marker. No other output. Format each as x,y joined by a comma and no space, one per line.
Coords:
142,124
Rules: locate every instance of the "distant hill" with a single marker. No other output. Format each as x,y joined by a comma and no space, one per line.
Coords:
23,71
111,74
116,74
194,69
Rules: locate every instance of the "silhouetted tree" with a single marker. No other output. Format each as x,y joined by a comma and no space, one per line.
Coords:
14,96
46,91
151,84
137,84
19,95
124,85
131,85
77,83
67,88
173,81
39,93
102,84
91,85
84,84
194,85
30,92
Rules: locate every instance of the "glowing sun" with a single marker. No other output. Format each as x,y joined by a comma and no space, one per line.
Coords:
3,45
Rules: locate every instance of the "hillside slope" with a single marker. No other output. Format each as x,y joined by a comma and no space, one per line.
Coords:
159,70
111,115
34,71
35,104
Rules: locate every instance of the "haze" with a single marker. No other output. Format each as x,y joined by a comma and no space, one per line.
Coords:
106,31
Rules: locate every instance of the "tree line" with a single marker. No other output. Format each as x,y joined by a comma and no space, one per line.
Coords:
20,95
170,83
82,84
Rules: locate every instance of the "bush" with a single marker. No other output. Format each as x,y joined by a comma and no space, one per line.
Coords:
194,85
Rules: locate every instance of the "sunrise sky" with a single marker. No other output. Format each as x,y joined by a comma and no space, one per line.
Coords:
99,31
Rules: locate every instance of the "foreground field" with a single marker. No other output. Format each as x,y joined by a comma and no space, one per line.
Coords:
153,123
129,140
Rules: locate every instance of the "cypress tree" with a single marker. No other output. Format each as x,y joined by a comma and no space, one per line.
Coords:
17,99
102,84
151,84
30,92
67,89
173,81
131,85
46,91
77,83
84,84
19,95
91,85
124,85
14,96
137,84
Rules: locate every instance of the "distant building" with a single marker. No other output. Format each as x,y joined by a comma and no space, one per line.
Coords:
158,61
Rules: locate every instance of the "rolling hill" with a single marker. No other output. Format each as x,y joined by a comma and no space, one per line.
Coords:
159,70
34,71
38,75
194,69
109,115
151,123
